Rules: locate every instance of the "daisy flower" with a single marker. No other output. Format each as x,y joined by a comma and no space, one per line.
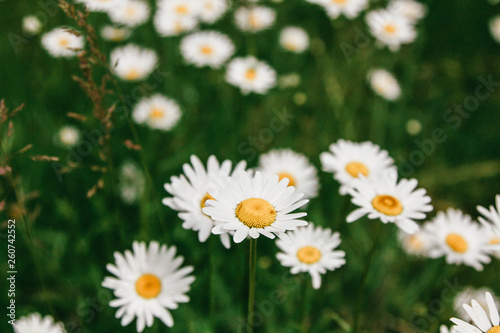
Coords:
491,215
495,28
133,63
250,75
115,34
492,235
417,244
294,39
311,251
410,9
445,329
296,167
207,48
36,323
347,160
348,8
130,13
62,42
149,282
483,322
168,24
67,137
384,84
389,200
131,182
158,112
32,25
255,18
190,193
466,295
212,10
100,5
455,236
254,205
390,29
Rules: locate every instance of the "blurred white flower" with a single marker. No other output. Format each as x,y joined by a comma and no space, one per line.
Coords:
391,29
158,112
174,17
495,28
62,42
133,63
490,220
34,322
254,19
294,39
290,80
384,84
212,10
130,13
67,137
207,48
479,315
413,127
100,5
410,9
131,182
417,244
115,34
250,75
32,25
469,293
348,8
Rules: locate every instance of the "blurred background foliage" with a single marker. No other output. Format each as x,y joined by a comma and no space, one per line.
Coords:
65,239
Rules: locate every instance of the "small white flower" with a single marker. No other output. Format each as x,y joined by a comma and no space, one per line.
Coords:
115,34
294,39
100,5
391,29
157,112
483,322
384,84
130,13
149,282
212,10
347,160
131,182
133,63
62,42
410,9
417,244
207,48
296,167
190,193
490,219
35,323
349,8
255,205
465,296
290,80
250,75
67,137
458,238
255,18
495,28
32,25
168,24
311,250
390,200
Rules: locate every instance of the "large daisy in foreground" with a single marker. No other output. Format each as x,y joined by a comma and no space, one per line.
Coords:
387,199
312,251
483,322
254,205
148,282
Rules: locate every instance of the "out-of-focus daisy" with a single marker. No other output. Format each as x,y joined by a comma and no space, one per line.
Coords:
413,127
190,193
34,322
349,8
491,215
483,322
157,111
410,9
290,80
417,244
131,182
212,10
207,48
133,63
149,282
100,5
254,205
492,234
294,39
254,19
296,167
466,295
390,200
115,34
347,160
175,17
384,84
311,251
31,25
445,329
130,13
391,29
250,75
67,137
495,28
62,42
455,236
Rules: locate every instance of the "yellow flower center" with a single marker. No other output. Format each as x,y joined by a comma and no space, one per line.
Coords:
289,176
495,241
495,329
387,204
206,50
251,74
148,286
254,21
204,200
63,42
181,9
457,243
130,12
356,168
256,213
156,113
132,74
289,45
339,1
309,254
390,28
178,27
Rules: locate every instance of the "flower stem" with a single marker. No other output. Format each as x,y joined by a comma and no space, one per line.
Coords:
251,282
304,308
362,288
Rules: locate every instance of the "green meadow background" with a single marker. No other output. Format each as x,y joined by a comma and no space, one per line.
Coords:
65,239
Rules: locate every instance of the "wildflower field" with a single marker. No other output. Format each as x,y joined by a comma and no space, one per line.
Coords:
250,166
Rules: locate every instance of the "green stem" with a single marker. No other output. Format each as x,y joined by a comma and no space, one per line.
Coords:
211,277
364,278
304,309
251,282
